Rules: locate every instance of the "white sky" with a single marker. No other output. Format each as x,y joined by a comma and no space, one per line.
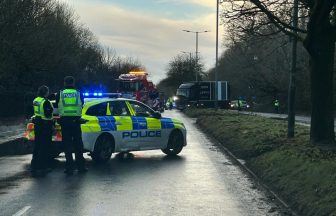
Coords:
151,30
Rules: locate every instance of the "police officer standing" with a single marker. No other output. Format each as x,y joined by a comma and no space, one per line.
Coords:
276,106
43,124
70,102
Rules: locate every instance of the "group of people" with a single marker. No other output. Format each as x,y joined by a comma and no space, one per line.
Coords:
149,97
69,102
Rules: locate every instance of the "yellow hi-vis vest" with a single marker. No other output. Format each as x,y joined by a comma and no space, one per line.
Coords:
70,103
38,108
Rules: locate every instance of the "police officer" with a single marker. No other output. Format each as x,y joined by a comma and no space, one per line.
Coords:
70,102
43,124
276,105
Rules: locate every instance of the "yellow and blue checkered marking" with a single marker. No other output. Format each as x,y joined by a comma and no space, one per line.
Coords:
108,123
139,123
167,123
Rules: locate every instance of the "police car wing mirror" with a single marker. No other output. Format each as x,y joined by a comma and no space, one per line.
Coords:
156,115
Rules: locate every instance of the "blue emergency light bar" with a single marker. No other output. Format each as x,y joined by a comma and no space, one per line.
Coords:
94,94
100,94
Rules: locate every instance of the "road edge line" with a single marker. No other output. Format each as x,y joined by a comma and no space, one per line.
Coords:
22,211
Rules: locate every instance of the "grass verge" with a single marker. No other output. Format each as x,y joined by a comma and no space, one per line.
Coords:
300,173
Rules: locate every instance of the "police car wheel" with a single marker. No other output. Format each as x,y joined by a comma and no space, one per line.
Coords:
175,143
103,149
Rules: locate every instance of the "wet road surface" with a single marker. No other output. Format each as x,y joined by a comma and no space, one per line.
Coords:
200,181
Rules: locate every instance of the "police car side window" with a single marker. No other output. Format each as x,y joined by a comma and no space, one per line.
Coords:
141,110
118,108
97,110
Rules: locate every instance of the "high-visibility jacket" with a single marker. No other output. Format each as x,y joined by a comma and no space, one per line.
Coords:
276,103
38,104
70,103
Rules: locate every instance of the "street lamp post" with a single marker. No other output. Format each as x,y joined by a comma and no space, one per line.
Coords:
216,67
197,33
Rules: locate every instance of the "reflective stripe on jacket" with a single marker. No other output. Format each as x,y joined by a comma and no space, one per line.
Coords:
70,103
38,104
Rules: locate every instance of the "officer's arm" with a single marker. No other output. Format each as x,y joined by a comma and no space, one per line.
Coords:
57,99
48,109
81,98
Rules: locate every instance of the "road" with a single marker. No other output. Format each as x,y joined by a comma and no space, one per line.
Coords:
303,120
201,181
12,132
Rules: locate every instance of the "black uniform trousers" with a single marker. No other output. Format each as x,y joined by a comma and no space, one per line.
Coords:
42,146
72,142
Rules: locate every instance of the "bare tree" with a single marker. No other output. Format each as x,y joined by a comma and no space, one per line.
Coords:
318,37
181,68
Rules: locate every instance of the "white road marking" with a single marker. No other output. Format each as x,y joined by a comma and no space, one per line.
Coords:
22,211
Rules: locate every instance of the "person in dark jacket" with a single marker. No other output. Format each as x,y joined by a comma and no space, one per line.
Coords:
70,102
43,125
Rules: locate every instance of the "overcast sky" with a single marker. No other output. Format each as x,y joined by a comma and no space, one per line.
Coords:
151,30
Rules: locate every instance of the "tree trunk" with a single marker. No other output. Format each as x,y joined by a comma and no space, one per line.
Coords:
320,43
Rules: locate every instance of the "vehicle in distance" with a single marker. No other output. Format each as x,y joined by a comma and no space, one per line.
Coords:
122,125
202,94
239,104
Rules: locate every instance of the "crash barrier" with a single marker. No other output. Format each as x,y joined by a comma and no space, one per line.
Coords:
19,146
16,103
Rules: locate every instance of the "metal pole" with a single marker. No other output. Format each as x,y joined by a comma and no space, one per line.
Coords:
196,57
292,85
190,62
216,67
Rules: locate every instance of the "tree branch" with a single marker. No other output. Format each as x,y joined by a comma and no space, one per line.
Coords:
284,27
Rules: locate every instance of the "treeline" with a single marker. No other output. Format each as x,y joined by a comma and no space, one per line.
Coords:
257,68
41,41
181,68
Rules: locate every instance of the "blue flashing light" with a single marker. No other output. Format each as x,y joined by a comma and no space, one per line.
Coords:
100,94
86,94
95,94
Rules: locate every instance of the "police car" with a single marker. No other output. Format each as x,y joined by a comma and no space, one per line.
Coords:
123,125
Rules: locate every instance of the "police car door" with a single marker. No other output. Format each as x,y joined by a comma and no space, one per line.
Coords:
121,116
148,129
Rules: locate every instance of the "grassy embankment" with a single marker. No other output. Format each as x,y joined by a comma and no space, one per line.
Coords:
301,174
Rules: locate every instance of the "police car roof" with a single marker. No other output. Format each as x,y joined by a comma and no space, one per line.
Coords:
94,101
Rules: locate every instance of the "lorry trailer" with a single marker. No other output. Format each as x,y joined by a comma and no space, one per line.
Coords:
203,94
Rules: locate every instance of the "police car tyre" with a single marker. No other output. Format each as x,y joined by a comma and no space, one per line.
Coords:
175,143
104,148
